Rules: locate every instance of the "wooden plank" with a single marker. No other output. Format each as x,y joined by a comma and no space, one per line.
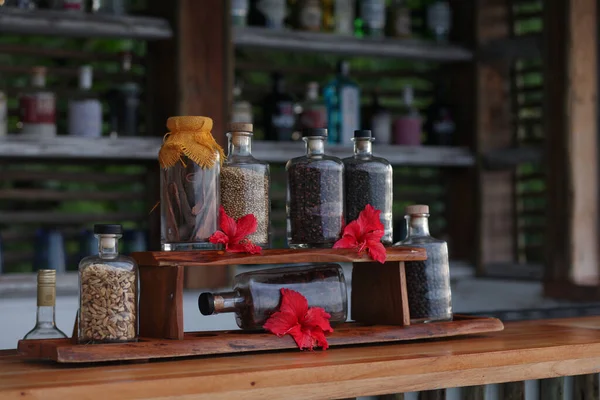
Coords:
231,342
270,256
525,350
59,23
511,48
585,387
552,389
315,42
571,141
22,49
161,303
379,294
512,157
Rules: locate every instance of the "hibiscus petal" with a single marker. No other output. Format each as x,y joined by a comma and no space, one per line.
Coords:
347,242
228,225
374,236
319,338
293,302
376,251
281,323
302,337
236,248
369,219
245,226
316,317
218,237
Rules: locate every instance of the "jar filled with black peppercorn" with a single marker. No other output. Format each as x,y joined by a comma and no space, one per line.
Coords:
245,182
315,195
428,282
256,295
368,180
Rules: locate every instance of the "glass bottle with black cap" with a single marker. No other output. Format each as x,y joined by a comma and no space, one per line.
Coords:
315,195
368,180
108,295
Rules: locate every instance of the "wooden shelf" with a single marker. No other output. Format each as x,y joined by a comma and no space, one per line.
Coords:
328,43
146,149
269,256
512,157
70,24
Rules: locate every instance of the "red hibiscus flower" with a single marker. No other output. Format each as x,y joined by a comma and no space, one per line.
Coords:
364,233
233,234
306,325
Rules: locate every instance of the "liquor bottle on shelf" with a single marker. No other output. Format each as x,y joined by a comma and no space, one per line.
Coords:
342,98
124,102
440,127
257,294
85,110
308,15
111,7
69,5
239,12
45,325
268,13
22,4
371,18
3,115
439,20
338,16
379,120
407,127
50,250
38,108
314,112
242,109
279,118
399,24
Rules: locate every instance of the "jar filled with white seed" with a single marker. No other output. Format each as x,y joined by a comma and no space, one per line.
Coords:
108,292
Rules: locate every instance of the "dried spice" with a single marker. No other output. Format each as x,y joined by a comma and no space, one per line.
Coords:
245,191
108,304
316,211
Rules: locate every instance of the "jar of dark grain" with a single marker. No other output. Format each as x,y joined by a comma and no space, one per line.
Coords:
315,195
257,294
245,182
368,180
428,282
189,202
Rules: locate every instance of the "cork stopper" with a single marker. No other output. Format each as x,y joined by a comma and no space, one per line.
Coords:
417,209
46,277
240,127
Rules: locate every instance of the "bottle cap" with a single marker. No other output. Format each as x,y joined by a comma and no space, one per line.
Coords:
46,277
240,127
363,133
308,132
206,303
85,77
417,209
108,229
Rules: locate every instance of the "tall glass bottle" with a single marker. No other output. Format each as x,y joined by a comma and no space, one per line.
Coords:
241,109
256,295
371,18
342,98
45,325
399,20
407,127
108,291
239,12
368,180
245,182
428,282
279,118
268,13
378,119
338,16
315,195
85,110
439,127
314,112
309,15
439,20
38,108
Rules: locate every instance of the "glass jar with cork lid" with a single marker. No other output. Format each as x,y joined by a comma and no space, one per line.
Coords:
245,182
108,292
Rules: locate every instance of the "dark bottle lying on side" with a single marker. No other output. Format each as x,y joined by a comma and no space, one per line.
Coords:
256,295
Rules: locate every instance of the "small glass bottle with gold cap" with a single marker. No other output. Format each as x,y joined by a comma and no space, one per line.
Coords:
427,282
245,182
191,161
45,325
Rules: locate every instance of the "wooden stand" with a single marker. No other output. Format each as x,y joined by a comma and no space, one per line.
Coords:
379,307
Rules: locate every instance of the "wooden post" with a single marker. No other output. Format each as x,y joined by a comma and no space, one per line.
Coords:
570,106
192,74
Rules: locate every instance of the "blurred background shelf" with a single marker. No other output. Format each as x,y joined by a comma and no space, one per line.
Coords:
314,42
146,149
73,24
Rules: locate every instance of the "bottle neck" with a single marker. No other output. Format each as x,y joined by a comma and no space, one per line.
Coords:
46,301
315,145
45,317
363,147
108,246
239,144
418,225
227,302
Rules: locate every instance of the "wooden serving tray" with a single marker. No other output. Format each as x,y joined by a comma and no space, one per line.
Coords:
235,342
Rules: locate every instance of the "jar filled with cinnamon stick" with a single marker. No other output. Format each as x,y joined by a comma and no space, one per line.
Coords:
190,159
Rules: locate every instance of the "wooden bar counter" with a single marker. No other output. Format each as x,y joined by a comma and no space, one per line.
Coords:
524,350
